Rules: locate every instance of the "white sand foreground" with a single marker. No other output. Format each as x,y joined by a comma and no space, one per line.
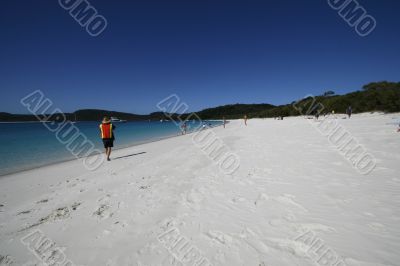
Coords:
295,200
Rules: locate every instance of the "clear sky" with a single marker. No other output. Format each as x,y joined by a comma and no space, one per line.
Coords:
208,52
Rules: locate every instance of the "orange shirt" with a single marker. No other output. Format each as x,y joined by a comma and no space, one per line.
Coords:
106,131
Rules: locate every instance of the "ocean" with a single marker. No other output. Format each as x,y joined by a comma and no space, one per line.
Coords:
30,145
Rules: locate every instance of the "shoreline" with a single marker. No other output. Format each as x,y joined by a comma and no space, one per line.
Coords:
114,150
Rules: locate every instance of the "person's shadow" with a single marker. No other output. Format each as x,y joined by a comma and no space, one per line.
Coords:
130,155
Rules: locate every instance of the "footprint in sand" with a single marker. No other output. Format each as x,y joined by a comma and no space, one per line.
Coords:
24,212
104,209
103,212
58,214
72,185
75,206
5,260
42,201
120,224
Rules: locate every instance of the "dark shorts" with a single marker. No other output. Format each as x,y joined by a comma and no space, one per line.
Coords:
108,143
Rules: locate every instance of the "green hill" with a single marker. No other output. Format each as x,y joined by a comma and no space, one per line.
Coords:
377,96
232,111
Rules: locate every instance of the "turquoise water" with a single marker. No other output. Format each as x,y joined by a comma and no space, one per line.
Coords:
29,145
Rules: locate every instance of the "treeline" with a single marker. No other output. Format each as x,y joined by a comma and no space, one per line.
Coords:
376,96
233,111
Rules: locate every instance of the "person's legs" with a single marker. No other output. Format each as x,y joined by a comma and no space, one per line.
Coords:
108,144
105,147
108,153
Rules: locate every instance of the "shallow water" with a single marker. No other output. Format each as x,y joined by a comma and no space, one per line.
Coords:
30,145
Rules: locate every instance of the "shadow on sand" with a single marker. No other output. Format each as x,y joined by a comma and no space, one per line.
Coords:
130,155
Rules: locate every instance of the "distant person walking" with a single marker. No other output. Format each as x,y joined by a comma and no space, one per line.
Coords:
107,135
184,128
333,114
245,119
349,111
224,121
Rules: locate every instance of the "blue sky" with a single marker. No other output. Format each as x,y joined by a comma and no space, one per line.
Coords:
209,53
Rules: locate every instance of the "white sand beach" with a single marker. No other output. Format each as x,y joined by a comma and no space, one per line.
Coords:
294,200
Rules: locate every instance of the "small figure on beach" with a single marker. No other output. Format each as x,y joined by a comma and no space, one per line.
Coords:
398,130
204,126
349,111
184,128
223,118
245,119
107,135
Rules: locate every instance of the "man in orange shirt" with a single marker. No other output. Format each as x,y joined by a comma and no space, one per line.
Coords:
107,135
